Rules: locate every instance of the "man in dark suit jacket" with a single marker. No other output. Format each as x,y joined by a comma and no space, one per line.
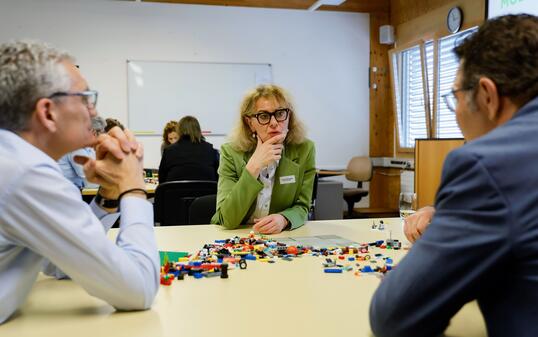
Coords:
482,242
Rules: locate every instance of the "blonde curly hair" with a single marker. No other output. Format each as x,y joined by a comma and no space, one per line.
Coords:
241,137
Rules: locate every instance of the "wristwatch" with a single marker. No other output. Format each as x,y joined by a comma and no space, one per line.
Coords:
106,203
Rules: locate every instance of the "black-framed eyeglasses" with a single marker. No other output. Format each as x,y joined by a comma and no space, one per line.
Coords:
450,98
89,97
264,117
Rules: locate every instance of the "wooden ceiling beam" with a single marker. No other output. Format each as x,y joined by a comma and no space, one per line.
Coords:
361,6
287,4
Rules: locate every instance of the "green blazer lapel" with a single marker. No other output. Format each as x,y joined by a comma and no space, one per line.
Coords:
286,183
246,158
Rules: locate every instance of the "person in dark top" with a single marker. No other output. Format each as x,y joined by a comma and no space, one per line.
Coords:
191,157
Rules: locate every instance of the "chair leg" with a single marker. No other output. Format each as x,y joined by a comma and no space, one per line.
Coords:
350,204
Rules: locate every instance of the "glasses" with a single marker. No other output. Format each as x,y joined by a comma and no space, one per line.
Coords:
450,98
264,117
89,97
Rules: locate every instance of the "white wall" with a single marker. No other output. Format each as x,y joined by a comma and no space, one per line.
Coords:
320,57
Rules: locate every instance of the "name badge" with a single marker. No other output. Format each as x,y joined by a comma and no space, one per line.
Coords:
287,180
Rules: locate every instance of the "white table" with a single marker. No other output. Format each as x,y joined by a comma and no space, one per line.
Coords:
282,299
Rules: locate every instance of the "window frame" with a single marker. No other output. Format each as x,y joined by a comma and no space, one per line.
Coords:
431,111
433,107
427,113
437,79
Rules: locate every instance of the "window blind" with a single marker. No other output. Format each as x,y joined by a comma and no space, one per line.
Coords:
411,101
428,52
409,91
446,125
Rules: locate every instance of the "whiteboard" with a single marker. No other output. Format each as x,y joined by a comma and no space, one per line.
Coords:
212,92
503,7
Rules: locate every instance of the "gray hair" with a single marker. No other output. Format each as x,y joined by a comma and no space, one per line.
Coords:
28,71
98,124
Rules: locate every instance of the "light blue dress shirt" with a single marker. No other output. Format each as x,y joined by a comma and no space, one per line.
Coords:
43,217
73,171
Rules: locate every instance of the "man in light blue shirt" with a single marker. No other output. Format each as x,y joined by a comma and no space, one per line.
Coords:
71,170
45,112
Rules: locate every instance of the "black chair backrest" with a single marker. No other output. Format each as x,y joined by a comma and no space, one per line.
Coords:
173,200
202,210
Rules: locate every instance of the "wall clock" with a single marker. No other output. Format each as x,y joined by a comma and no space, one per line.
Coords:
454,19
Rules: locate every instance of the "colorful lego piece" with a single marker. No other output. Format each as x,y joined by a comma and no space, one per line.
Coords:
243,264
292,250
216,259
224,270
166,280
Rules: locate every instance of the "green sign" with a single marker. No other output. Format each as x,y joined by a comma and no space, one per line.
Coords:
508,3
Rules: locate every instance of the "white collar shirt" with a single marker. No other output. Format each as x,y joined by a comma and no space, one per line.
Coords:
263,201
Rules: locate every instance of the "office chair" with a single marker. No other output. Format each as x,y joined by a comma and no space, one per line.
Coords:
359,169
174,198
202,209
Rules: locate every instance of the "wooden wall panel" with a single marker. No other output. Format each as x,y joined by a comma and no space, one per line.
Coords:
414,20
385,188
405,10
381,107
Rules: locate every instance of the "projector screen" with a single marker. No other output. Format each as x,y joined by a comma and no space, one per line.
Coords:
502,7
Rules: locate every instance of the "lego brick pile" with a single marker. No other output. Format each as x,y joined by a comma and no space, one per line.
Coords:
216,259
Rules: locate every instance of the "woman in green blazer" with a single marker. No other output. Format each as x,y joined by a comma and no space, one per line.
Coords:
266,173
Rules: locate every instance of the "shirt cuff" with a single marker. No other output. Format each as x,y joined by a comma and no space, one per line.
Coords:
98,211
107,219
135,210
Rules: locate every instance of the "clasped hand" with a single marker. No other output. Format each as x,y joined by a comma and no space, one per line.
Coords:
118,163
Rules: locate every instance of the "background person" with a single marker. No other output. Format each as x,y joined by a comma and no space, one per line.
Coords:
112,122
73,171
170,135
191,157
267,171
